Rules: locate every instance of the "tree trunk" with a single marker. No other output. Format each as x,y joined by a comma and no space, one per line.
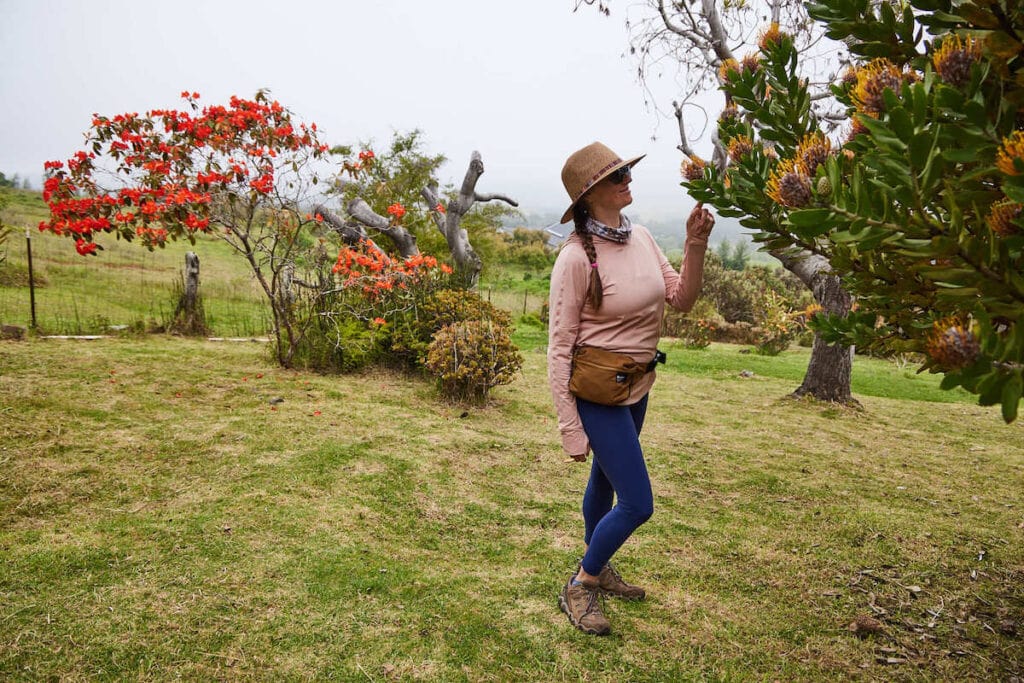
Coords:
830,367
449,221
189,318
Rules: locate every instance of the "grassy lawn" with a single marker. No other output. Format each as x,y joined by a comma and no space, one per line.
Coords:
160,518
125,285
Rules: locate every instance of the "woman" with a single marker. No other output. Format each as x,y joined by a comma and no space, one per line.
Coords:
608,290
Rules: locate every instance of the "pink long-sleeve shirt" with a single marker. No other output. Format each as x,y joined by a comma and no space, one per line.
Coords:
638,280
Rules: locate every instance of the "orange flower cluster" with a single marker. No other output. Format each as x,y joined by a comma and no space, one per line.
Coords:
169,164
954,59
693,168
1010,158
739,147
872,82
952,345
366,265
770,36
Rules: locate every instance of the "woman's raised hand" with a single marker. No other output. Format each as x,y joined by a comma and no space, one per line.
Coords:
700,222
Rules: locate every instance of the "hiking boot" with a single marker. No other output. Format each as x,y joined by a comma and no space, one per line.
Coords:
611,583
580,604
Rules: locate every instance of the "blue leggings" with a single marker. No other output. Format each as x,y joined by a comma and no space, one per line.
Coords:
618,470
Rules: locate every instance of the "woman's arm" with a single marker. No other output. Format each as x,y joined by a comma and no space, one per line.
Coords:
683,288
568,292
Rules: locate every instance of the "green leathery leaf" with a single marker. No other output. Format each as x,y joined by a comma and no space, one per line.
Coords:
808,217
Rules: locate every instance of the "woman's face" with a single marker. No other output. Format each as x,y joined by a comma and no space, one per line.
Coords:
609,196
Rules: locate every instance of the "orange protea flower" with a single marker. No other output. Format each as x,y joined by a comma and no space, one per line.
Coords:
872,81
1002,216
730,113
812,152
693,168
953,60
952,344
751,62
770,36
740,146
812,310
849,77
727,67
1010,152
856,128
788,186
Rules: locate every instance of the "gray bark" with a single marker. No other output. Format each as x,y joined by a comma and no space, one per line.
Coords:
350,232
449,222
829,370
404,240
189,317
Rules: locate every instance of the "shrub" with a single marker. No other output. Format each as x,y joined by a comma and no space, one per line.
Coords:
471,357
694,329
374,314
778,328
738,295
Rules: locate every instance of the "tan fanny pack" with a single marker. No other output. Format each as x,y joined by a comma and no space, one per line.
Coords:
606,377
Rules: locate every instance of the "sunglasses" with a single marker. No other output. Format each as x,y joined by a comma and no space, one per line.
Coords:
620,175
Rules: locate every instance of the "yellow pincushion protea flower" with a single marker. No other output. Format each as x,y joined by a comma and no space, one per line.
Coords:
954,59
812,152
770,36
693,168
856,128
788,186
872,80
751,62
1012,149
812,310
726,67
730,113
952,344
740,146
1002,215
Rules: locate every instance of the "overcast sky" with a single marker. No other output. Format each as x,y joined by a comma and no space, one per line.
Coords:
524,82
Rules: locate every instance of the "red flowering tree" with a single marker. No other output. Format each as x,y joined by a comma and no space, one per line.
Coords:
241,171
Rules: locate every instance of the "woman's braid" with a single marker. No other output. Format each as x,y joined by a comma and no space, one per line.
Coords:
595,289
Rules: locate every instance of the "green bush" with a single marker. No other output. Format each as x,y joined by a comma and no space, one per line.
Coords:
694,329
777,327
470,357
737,295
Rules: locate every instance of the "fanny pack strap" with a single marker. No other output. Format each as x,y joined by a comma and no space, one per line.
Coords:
659,357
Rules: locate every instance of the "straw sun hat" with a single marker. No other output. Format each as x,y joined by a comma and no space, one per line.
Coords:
587,167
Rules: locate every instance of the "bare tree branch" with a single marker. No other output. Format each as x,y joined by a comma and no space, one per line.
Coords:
491,197
403,239
350,233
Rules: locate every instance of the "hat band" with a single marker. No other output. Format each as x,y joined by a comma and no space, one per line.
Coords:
594,178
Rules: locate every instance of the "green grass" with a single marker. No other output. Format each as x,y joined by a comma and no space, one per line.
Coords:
125,285
160,519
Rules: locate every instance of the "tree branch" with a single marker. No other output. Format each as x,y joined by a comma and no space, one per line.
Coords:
359,210
490,197
350,233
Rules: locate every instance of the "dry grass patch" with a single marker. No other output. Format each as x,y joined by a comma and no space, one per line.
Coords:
175,523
